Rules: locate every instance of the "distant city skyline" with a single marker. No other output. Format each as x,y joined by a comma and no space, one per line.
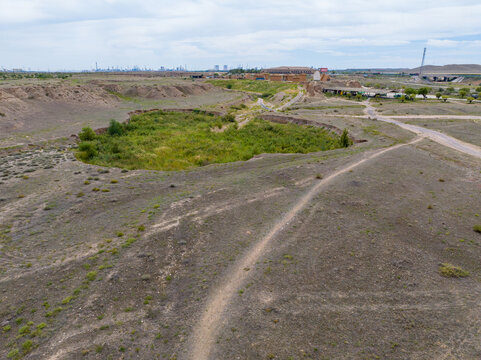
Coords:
75,35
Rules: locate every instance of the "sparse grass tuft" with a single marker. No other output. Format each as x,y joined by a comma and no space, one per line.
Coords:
27,346
128,242
67,300
91,275
449,270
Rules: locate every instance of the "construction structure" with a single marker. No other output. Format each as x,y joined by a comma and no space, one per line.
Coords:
276,77
286,70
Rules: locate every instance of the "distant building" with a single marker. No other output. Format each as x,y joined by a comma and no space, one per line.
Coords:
290,70
226,68
216,67
316,76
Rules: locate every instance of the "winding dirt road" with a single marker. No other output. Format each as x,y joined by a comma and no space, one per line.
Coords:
215,313
436,136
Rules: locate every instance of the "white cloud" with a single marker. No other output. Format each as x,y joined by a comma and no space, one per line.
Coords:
75,33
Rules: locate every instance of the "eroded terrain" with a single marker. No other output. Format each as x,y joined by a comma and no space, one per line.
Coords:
328,255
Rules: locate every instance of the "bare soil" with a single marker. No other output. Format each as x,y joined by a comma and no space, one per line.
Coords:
323,255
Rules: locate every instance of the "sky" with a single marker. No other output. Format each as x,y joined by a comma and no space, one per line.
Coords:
75,34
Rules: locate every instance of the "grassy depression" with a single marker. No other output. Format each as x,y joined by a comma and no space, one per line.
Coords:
177,141
265,88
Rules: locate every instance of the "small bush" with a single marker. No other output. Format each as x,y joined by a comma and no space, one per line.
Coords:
87,150
87,134
91,275
128,242
27,346
141,228
115,128
449,270
6,328
13,354
344,140
228,118
24,330
67,300
477,228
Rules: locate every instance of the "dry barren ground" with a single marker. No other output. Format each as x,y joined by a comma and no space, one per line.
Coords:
331,255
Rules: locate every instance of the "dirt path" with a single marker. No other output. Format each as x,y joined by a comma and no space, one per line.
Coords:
436,136
214,315
291,102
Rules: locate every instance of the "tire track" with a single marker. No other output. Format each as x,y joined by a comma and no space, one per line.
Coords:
214,315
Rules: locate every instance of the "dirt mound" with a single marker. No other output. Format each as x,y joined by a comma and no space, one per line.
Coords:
314,89
158,91
17,100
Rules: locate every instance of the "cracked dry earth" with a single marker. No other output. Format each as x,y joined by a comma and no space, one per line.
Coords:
330,255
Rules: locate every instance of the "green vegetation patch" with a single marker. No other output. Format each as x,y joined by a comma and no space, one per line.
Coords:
177,141
449,270
264,87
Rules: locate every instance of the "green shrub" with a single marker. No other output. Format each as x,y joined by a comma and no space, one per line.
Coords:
13,354
228,118
477,228
87,134
24,330
67,300
87,150
449,270
91,275
344,140
27,346
115,128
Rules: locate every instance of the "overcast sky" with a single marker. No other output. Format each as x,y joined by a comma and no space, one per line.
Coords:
74,34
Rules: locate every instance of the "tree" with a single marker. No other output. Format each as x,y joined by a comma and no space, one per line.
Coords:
410,92
359,97
87,134
449,90
445,98
462,93
423,91
402,98
115,128
344,140
438,95
478,89
470,99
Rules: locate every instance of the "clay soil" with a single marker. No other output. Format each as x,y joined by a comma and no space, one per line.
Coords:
329,255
